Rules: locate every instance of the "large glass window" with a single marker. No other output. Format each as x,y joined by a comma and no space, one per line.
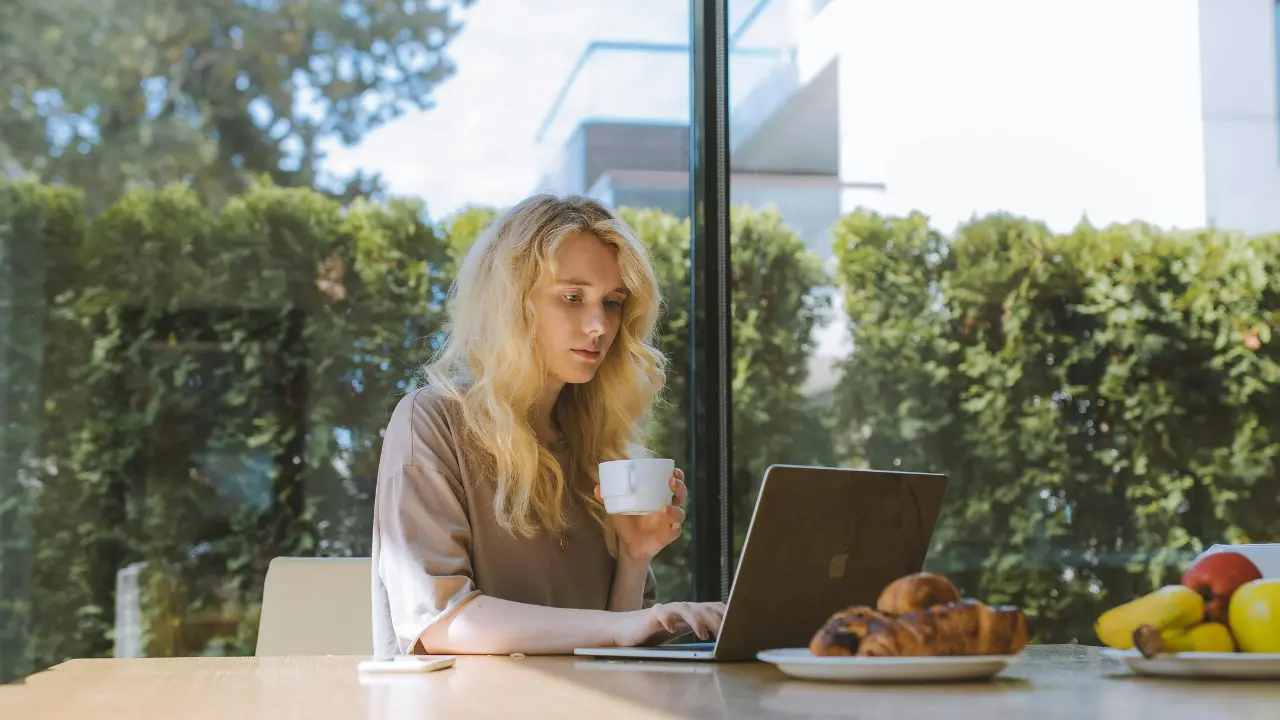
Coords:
225,239
966,246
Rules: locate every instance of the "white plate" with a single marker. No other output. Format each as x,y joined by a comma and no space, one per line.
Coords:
800,663
1201,664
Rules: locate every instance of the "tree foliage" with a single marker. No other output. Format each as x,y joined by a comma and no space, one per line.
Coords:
200,387
213,394
1106,402
214,384
113,94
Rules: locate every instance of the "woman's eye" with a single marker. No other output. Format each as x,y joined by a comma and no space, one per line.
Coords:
573,297
613,304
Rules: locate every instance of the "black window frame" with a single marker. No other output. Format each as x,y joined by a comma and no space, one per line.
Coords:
710,402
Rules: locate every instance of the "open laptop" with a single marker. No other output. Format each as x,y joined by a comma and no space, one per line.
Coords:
820,540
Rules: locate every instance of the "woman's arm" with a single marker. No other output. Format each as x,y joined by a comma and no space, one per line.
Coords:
629,578
488,625
491,626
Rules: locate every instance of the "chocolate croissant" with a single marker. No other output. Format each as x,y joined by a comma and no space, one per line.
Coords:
843,632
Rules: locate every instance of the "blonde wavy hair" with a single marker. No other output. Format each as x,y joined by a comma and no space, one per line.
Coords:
487,365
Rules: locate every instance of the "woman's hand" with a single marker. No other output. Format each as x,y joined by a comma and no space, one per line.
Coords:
662,622
642,536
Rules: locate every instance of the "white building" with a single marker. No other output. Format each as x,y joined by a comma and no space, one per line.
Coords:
1115,110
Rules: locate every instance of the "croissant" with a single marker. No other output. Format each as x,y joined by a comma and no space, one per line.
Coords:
967,627
843,631
916,592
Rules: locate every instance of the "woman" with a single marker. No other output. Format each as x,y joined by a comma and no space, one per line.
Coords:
489,532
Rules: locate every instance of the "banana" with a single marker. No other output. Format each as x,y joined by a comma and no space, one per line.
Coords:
1205,637
1170,607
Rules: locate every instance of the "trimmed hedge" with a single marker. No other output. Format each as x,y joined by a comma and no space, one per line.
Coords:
1106,401
204,391
213,386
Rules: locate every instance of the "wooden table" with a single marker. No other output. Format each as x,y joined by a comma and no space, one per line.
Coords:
1054,682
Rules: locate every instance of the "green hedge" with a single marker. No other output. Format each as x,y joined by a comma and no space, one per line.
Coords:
203,391
1106,402
213,387
212,391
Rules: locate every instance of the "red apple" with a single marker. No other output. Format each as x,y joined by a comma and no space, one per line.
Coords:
1216,576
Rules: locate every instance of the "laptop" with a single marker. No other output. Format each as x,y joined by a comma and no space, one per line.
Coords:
819,540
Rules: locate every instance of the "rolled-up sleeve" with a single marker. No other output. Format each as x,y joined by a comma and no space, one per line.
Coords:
422,536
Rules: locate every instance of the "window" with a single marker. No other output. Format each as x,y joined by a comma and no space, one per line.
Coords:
934,270
224,272
215,284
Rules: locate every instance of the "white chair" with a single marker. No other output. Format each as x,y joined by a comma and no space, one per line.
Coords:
316,606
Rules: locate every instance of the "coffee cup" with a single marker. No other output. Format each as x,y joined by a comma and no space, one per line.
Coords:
636,487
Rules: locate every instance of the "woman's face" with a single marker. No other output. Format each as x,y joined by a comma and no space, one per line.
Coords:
580,309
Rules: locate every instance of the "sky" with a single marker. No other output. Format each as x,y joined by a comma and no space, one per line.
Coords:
477,145
990,106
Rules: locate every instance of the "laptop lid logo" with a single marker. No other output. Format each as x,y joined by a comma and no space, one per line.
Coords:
836,568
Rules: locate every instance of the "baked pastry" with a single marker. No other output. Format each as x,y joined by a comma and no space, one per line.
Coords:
916,592
843,632
967,627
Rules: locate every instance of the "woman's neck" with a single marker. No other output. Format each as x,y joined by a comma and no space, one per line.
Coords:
543,424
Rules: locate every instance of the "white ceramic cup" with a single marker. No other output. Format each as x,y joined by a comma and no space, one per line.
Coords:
636,487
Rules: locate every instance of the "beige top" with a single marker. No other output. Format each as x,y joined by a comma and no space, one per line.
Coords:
437,543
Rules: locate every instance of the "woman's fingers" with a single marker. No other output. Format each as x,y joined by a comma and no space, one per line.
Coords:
667,619
694,620
671,620
675,514
679,488
598,495
702,619
710,618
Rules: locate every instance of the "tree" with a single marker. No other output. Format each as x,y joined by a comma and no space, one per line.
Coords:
109,95
464,227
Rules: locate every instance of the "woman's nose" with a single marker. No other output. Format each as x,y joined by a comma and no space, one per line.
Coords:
595,322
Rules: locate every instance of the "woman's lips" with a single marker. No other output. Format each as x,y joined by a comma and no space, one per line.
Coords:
588,354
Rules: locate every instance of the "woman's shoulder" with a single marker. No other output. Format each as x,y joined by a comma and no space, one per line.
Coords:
423,423
428,399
